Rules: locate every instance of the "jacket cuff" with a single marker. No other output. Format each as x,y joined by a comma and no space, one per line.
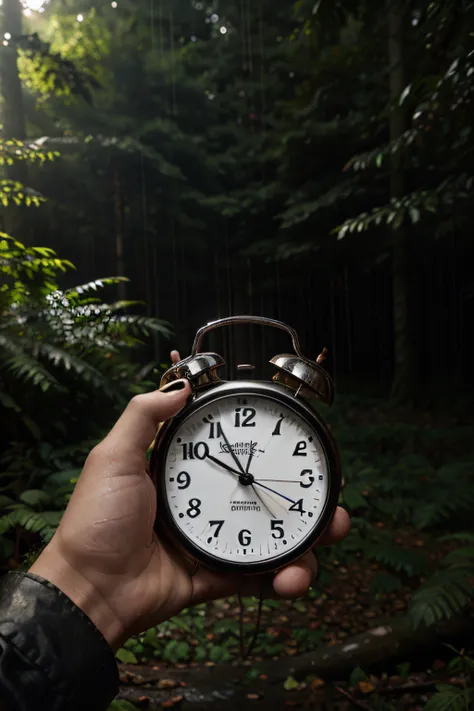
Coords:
48,644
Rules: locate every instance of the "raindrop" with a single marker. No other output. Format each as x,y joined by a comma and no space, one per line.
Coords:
223,30
114,4
214,18
80,18
194,38
7,36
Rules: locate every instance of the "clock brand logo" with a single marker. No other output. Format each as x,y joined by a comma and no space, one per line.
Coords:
241,449
244,506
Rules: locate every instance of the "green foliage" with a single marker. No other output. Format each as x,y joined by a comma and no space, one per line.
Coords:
47,335
121,705
13,150
14,193
446,592
450,698
63,351
70,65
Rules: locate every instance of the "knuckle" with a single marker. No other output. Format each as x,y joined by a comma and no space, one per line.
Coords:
96,454
138,402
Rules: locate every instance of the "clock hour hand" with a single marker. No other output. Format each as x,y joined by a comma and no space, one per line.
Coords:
223,465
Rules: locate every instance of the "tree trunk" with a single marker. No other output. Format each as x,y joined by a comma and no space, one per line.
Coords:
119,242
403,380
13,112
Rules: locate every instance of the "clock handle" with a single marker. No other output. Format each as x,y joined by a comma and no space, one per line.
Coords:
259,320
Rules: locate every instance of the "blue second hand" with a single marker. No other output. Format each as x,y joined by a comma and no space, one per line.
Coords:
256,483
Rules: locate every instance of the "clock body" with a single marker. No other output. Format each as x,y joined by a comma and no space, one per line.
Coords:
247,476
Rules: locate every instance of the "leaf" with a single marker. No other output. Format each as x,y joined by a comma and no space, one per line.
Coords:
366,687
450,698
405,93
357,676
404,669
126,657
5,501
291,684
121,705
352,496
174,701
35,497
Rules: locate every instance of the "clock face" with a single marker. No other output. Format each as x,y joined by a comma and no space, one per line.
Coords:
247,479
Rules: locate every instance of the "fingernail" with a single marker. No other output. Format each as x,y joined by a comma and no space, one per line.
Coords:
173,387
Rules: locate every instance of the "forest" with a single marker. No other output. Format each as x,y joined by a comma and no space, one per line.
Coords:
166,163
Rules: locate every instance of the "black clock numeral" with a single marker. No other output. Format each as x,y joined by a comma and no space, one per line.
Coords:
244,417
277,430
215,428
194,508
276,527
298,506
300,449
245,537
307,472
218,525
183,480
198,450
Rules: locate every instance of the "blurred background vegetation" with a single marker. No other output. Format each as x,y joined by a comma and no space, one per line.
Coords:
169,162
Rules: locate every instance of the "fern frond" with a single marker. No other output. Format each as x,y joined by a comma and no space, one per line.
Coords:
60,356
140,324
29,520
445,594
451,698
95,285
401,560
28,369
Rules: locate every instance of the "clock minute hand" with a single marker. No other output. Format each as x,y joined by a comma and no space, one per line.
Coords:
263,502
234,456
256,483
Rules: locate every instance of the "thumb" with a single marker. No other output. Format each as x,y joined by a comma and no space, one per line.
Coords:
136,428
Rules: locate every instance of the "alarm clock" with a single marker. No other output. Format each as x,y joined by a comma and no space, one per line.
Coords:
247,474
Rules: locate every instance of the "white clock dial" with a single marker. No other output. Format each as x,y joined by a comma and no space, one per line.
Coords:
246,479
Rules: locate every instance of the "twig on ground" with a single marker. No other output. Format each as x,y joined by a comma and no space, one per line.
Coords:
355,702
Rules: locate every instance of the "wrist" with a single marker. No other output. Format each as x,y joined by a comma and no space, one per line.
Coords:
52,566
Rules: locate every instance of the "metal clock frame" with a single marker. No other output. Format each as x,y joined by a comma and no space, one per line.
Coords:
282,394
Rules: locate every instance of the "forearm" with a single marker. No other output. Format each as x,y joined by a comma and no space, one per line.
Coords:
52,657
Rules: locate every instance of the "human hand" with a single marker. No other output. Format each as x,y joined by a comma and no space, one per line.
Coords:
105,555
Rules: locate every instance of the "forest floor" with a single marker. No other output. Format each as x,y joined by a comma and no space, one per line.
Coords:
331,612
194,660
